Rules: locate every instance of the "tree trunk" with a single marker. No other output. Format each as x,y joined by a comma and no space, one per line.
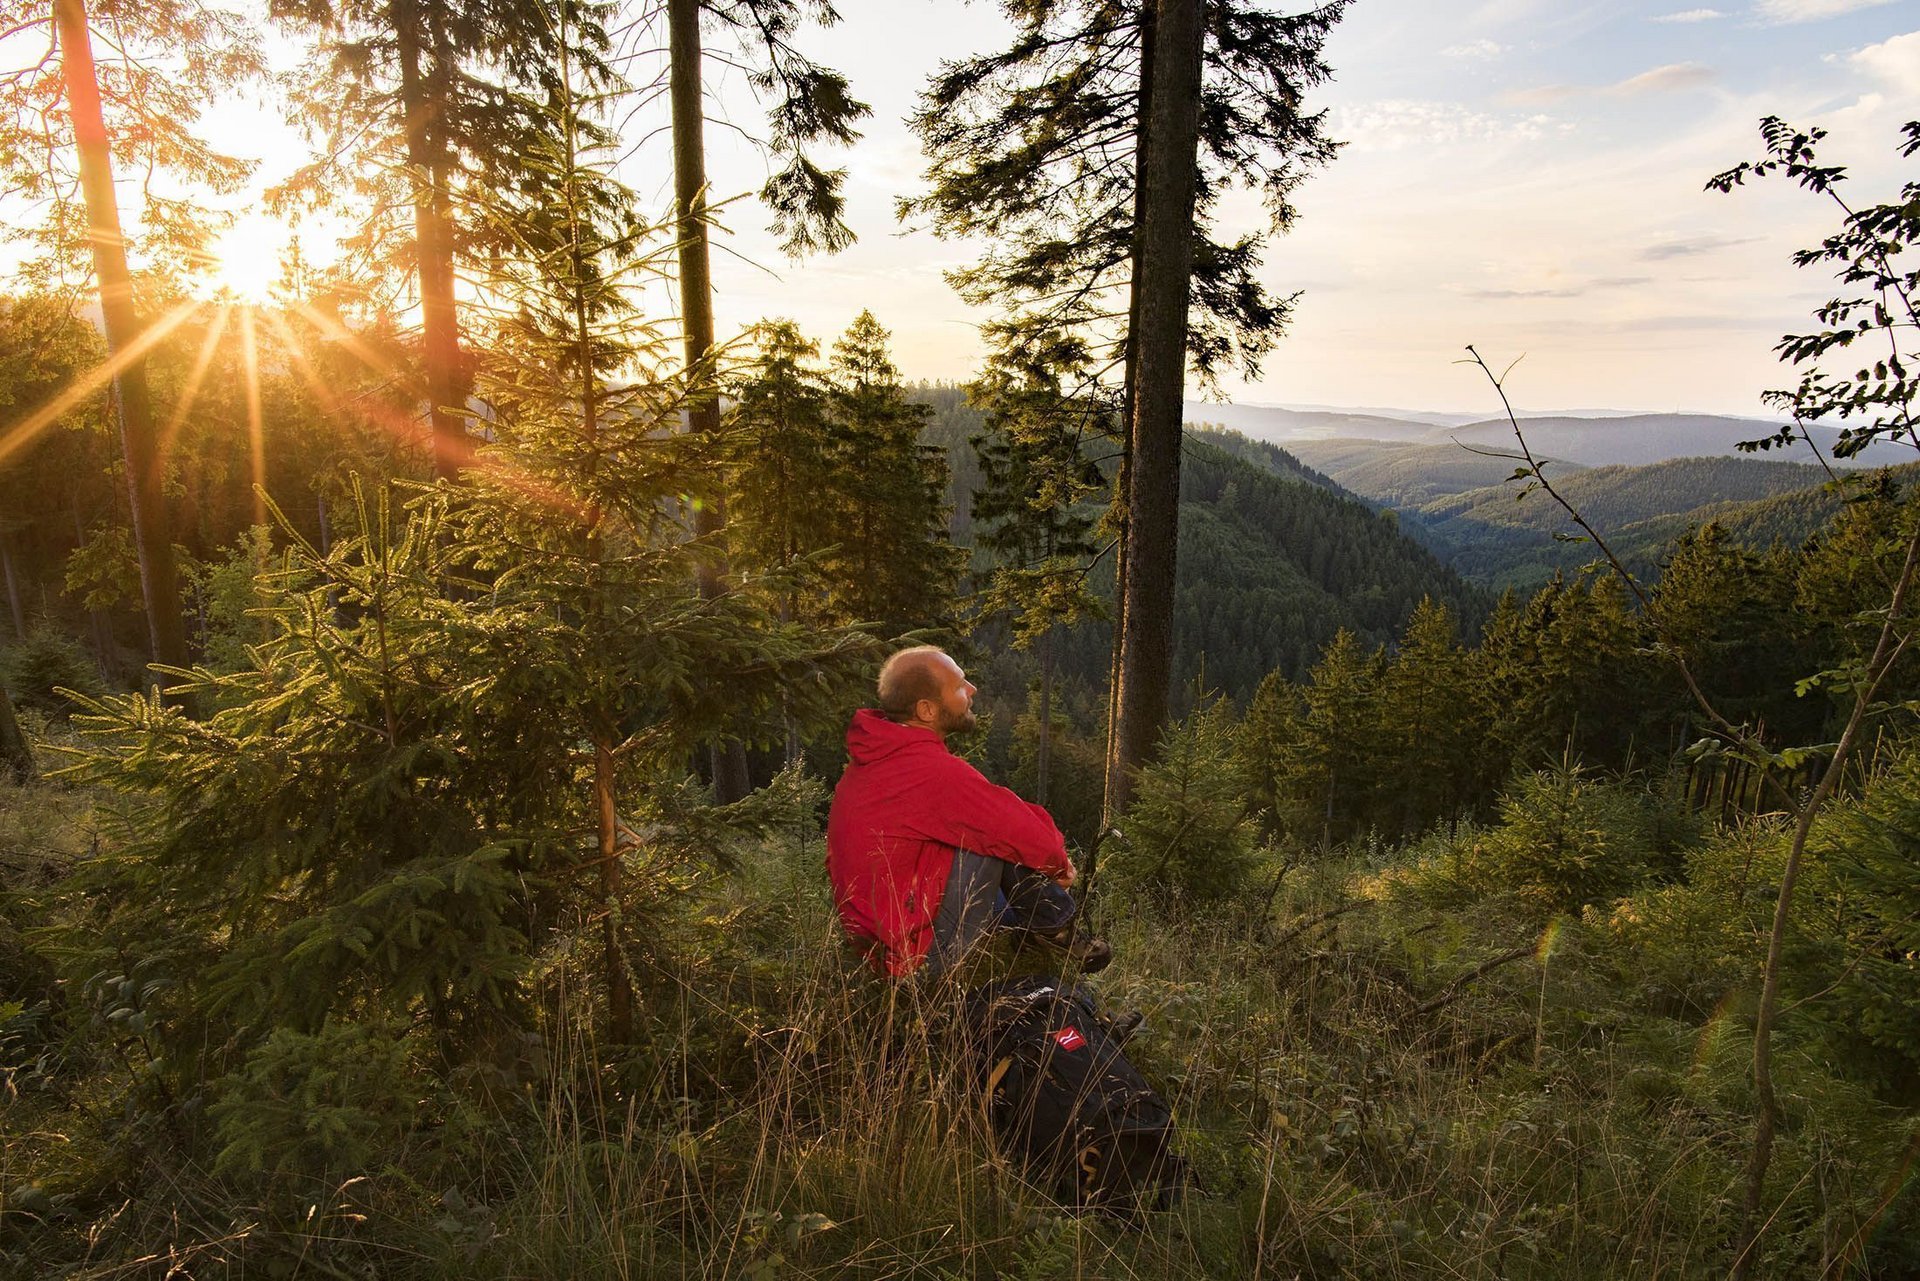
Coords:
1115,784
152,531
14,607
729,758
423,99
619,990
1160,343
15,757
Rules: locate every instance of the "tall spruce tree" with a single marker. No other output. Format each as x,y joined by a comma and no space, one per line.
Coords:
1163,256
784,464
782,468
892,566
810,104
425,109
1092,152
1032,514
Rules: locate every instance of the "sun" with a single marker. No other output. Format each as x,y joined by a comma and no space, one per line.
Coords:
245,260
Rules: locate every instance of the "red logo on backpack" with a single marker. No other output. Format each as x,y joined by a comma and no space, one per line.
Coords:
1069,1038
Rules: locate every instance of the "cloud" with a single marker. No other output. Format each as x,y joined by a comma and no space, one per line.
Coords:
1559,291
1671,78
1689,15
1895,60
1390,124
1690,246
1542,95
1786,12
1667,79
1509,295
1474,49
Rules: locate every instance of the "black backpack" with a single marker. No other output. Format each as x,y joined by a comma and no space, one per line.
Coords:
1063,1099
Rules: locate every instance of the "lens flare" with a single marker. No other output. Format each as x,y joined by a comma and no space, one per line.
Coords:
22,433
170,433
256,429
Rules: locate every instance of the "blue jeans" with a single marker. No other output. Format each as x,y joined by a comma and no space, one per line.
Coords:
984,895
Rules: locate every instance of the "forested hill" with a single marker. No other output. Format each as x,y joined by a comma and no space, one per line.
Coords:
1272,568
1464,506
1263,454
1274,558
1489,536
1403,474
1615,497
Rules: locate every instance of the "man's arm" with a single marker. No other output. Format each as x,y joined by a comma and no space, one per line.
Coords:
966,811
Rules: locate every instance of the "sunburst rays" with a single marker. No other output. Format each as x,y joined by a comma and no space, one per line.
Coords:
23,433
256,429
409,429
209,345
223,319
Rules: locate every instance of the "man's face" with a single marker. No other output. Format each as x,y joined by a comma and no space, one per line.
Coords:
956,697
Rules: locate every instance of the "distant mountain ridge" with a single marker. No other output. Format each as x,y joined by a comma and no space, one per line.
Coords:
1489,536
1404,475
1594,439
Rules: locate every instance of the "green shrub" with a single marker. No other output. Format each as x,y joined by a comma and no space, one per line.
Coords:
1692,944
1869,852
1565,840
42,664
1191,829
232,604
315,1104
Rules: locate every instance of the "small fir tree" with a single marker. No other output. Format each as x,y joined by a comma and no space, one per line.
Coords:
1428,723
1192,829
1317,750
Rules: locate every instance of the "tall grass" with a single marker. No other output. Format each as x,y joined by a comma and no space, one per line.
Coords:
1399,1089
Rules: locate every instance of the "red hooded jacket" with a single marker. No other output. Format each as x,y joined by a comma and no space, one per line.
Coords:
901,809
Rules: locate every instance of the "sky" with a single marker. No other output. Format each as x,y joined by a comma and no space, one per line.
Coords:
1523,175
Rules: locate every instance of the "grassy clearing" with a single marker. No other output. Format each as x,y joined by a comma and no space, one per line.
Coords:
1381,1077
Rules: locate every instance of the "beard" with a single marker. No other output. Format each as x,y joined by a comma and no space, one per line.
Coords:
956,722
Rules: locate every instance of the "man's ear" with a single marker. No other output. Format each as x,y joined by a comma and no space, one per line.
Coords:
920,712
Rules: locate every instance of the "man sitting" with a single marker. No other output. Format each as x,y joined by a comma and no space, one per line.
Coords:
926,856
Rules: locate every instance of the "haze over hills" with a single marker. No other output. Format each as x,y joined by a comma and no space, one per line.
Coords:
1405,474
1592,438
1284,426
1462,504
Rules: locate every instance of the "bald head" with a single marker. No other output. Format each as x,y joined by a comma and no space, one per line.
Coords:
907,677
923,686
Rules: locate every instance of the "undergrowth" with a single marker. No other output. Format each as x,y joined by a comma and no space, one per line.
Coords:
1379,1068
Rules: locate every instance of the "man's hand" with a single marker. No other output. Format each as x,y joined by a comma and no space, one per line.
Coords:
1065,879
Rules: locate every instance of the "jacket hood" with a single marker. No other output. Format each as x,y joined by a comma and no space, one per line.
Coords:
872,737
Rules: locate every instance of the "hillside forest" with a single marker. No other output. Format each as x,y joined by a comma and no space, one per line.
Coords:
421,693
